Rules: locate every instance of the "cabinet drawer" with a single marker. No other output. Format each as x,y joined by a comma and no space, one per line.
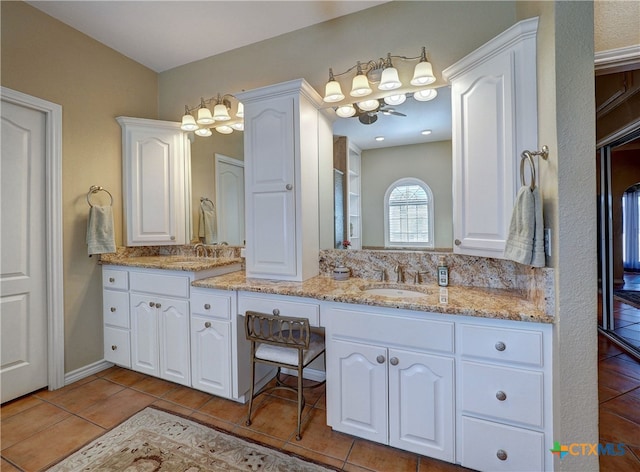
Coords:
408,332
269,305
166,285
217,306
497,447
117,347
115,279
115,308
503,393
503,344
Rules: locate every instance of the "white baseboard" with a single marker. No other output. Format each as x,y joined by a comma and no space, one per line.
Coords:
86,371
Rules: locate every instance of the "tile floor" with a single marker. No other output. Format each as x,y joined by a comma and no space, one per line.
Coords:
626,317
41,428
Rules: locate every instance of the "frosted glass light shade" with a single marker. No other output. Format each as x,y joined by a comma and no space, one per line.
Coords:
204,116
239,126
220,113
425,95
360,86
423,74
368,105
188,123
240,112
395,99
333,92
224,129
204,132
389,79
346,111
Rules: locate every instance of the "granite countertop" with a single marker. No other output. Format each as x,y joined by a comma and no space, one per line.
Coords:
455,300
183,263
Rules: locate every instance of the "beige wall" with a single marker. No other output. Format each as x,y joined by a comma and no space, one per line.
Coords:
616,24
430,162
45,58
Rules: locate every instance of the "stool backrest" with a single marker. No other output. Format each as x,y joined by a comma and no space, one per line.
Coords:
277,330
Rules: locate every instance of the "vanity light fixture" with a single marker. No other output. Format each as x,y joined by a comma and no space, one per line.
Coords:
384,73
222,105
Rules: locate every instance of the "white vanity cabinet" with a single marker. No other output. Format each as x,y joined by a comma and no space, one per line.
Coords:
494,114
156,175
390,378
159,306
504,395
282,142
115,315
212,358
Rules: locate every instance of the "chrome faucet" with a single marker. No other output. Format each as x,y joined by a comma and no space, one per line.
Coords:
398,271
382,274
200,250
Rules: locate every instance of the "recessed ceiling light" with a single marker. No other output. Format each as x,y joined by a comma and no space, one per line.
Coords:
379,138
426,132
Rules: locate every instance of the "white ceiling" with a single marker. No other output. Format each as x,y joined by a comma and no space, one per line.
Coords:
166,34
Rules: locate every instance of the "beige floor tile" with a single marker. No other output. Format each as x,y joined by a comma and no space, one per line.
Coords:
154,386
20,426
174,407
116,408
259,437
48,394
225,410
85,395
381,458
124,377
320,438
52,444
433,465
187,397
7,467
212,421
16,406
276,417
313,456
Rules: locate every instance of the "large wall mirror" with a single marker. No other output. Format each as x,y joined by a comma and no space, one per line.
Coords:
405,152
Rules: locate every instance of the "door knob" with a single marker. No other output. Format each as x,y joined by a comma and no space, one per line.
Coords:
380,359
113,309
500,346
158,305
207,306
394,361
457,242
501,454
152,304
500,395
111,279
207,324
276,312
114,347
289,186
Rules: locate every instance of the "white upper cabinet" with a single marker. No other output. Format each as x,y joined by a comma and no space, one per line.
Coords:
156,174
283,129
494,112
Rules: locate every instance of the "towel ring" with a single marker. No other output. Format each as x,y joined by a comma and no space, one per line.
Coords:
95,189
526,156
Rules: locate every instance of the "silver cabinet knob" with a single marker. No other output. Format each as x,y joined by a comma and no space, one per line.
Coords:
158,305
113,309
500,395
394,361
173,238
207,324
457,242
289,186
500,346
380,359
114,347
501,454
152,304
207,306
276,312
111,279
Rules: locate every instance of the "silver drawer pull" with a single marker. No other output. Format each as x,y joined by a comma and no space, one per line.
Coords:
158,305
111,279
380,359
113,309
152,304
500,395
207,306
276,312
500,346
289,187
114,347
207,324
457,242
394,361
501,454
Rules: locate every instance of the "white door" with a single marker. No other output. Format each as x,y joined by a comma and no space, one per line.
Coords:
173,340
230,200
23,268
211,355
144,335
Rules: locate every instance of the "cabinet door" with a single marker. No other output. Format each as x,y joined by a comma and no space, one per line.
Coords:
144,335
154,174
270,189
357,389
117,346
421,403
211,355
173,335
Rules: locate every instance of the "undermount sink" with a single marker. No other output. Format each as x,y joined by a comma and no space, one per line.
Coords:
393,291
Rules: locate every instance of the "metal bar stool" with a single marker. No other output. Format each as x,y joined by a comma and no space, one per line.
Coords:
282,341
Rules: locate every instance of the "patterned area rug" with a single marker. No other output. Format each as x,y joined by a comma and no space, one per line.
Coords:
628,296
154,440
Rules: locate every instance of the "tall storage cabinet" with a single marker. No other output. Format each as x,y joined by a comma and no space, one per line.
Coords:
156,173
494,109
282,124
354,204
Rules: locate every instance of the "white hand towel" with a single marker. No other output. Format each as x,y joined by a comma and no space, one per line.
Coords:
100,234
525,241
207,223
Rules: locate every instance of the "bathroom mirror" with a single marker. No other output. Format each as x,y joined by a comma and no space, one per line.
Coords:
404,152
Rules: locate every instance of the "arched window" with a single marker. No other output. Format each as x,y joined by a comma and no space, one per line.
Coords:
408,214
